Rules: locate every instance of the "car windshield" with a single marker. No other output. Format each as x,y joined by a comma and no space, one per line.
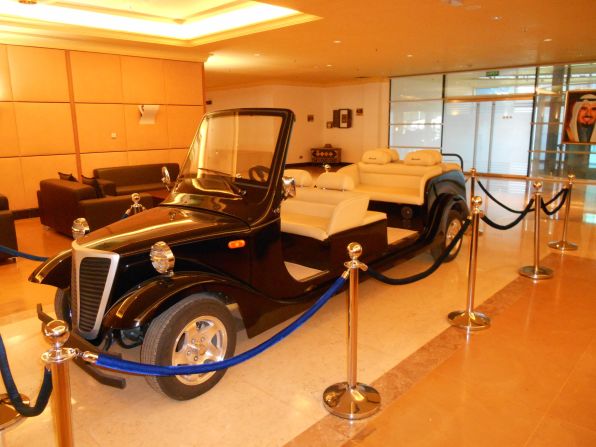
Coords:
230,152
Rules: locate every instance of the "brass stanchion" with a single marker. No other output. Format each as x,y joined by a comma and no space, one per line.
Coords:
351,399
469,319
473,180
563,244
536,271
56,333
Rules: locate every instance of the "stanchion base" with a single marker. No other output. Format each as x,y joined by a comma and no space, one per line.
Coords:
530,271
359,402
563,245
471,321
8,415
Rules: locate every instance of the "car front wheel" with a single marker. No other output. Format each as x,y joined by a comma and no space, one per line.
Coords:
197,330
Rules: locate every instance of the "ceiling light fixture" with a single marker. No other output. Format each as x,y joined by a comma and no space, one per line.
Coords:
337,41
548,39
497,17
409,55
246,14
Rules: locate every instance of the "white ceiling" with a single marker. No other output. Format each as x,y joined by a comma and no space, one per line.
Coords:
380,38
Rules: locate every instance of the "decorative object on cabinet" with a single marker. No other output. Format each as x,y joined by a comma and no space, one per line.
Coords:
326,154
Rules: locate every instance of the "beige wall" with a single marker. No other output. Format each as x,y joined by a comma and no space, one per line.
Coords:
73,111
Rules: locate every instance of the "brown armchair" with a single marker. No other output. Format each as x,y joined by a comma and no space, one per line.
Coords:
62,201
8,235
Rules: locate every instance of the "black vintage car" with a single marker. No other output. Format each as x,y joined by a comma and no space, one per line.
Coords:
231,233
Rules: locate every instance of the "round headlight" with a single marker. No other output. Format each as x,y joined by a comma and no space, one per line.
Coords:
80,228
162,257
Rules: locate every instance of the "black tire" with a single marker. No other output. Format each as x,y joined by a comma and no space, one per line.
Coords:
62,306
167,342
451,227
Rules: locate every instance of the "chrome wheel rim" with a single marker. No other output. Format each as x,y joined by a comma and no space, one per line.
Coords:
203,340
452,230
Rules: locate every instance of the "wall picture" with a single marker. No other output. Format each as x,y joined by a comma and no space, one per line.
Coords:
580,116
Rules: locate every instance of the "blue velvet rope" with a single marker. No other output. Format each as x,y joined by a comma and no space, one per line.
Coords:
107,361
11,252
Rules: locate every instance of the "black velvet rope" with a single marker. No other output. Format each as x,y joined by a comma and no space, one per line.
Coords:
544,205
13,392
511,210
417,277
517,220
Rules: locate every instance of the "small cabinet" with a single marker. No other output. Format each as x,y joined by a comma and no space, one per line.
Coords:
326,154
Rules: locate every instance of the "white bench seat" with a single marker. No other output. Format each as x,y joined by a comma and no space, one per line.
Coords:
394,181
319,212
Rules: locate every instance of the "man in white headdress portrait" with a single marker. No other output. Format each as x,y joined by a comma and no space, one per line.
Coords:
581,125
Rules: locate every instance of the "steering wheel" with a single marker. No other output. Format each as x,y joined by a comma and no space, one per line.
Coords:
259,173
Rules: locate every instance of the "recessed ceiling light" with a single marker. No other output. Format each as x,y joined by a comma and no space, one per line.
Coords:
337,41
497,17
548,39
257,54
409,55
329,65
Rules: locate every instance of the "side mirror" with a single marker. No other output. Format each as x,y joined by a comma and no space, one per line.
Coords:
165,177
288,185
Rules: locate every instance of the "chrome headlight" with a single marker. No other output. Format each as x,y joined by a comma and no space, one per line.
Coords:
80,228
162,258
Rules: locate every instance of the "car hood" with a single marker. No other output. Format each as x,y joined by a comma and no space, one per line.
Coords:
168,224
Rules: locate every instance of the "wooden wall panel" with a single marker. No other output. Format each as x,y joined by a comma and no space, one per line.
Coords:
102,160
96,77
5,89
177,156
183,82
44,128
36,169
101,127
182,124
38,74
9,141
145,136
11,182
148,157
142,80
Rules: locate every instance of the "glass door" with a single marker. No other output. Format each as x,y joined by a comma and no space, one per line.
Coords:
491,136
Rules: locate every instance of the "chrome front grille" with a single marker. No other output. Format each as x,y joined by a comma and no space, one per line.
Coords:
93,274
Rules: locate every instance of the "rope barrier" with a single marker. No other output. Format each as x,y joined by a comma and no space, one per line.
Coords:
502,205
417,277
107,361
13,392
544,205
512,224
15,253
557,195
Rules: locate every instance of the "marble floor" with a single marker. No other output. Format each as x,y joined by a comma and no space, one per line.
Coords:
526,381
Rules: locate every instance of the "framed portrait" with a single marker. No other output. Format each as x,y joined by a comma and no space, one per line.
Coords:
580,117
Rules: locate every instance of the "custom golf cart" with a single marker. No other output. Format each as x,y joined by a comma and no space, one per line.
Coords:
236,232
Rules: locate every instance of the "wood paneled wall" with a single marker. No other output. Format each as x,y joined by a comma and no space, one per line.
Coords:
73,111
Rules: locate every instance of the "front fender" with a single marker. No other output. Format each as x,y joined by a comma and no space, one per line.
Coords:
55,271
155,295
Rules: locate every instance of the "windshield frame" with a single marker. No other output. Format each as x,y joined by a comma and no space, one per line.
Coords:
221,192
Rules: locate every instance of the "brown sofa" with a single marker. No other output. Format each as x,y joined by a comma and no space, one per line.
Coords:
62,201
8,235
121,180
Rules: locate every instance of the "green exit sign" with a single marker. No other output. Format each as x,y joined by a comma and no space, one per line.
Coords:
492,73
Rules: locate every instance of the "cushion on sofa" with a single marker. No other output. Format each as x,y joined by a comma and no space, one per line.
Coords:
335,181
67,176
302,177
426,157
376,156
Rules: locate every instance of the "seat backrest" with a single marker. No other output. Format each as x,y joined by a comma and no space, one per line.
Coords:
136,174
